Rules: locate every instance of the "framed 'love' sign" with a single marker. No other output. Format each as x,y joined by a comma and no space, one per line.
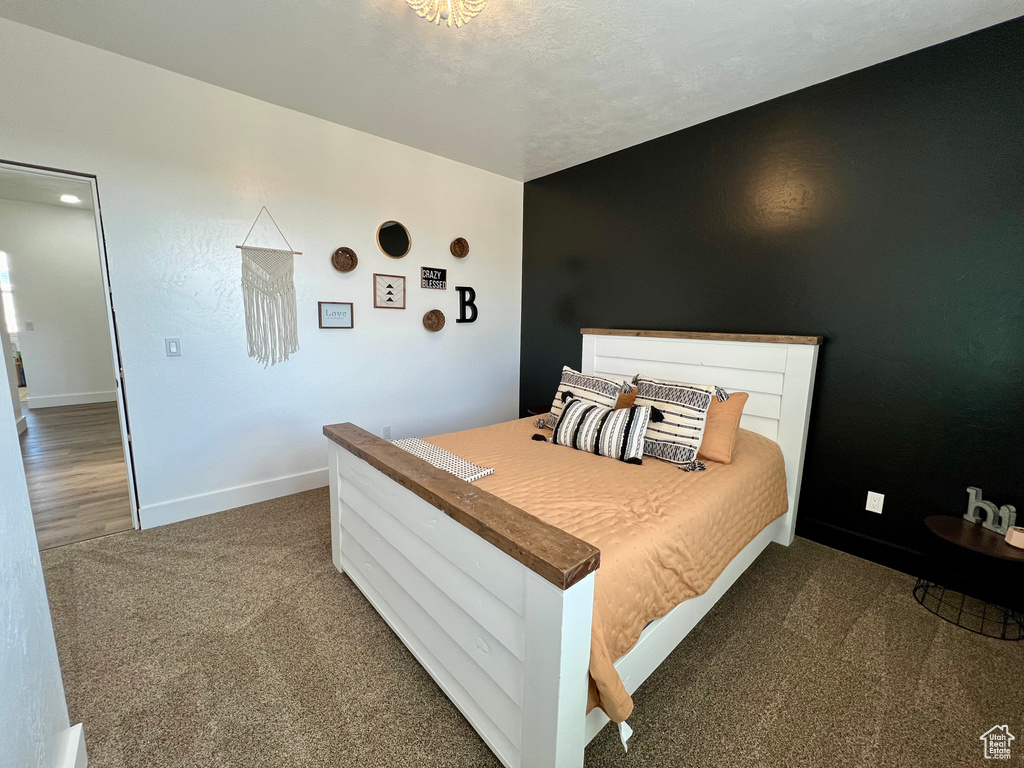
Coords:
336,314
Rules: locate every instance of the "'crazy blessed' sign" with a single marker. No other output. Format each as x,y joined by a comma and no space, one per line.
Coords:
433,278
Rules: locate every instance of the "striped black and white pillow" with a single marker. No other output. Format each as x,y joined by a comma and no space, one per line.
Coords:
591,389
617,434
676,436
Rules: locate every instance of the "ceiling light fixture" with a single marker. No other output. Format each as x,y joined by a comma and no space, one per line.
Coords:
448,11
70,199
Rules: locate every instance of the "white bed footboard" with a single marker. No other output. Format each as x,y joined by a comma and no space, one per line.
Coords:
508,646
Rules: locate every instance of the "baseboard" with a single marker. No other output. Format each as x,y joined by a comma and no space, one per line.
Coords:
75,398
177,510
987,578
74,748
22,425
889,554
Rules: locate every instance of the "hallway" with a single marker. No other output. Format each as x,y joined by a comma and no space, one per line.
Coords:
76,474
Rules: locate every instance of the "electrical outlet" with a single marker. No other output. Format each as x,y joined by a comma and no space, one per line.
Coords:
30,326
385,431
875,501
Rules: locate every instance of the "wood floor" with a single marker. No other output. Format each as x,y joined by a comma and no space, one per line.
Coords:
77,481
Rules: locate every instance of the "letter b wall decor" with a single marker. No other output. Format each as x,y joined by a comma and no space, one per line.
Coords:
467,304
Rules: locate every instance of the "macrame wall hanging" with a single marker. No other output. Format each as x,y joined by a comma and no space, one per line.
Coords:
268,291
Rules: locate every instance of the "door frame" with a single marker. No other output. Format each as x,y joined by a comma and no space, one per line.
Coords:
115,342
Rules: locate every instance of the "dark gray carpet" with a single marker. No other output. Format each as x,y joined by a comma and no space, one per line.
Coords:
230,640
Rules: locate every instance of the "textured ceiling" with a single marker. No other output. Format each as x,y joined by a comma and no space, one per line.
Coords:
529,86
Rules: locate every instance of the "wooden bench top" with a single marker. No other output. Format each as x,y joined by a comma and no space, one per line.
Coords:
550,552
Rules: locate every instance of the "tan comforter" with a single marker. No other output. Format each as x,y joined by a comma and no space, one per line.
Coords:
665,535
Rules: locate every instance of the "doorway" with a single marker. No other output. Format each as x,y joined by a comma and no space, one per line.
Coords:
59,336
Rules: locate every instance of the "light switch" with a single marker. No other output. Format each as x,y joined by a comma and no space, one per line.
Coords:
30,326
173,347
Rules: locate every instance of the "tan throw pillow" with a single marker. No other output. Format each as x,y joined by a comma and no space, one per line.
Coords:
720,430
626,399
593,390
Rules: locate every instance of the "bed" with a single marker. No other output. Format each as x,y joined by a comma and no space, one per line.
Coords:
498,604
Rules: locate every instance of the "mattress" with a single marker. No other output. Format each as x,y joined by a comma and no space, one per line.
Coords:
665,535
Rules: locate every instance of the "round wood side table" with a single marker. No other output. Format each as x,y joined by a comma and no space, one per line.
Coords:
957,608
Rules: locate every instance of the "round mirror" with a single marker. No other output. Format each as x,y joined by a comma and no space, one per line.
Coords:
393,239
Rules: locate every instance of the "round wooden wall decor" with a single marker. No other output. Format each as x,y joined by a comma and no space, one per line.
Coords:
433,321
460,248
344,260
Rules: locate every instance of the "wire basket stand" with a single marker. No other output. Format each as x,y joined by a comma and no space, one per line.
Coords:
970,613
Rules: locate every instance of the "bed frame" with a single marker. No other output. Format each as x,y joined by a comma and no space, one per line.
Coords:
496,604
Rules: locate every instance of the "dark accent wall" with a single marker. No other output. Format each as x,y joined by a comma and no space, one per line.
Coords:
883,210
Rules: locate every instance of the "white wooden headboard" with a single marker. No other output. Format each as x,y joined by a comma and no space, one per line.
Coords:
777,372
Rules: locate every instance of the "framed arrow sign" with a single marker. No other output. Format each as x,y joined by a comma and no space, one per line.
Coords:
388,292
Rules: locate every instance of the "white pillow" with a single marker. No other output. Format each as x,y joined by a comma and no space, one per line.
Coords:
684,409
591,389
615,433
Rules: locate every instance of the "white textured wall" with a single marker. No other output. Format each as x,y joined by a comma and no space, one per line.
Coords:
33,714
183,168
58,287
